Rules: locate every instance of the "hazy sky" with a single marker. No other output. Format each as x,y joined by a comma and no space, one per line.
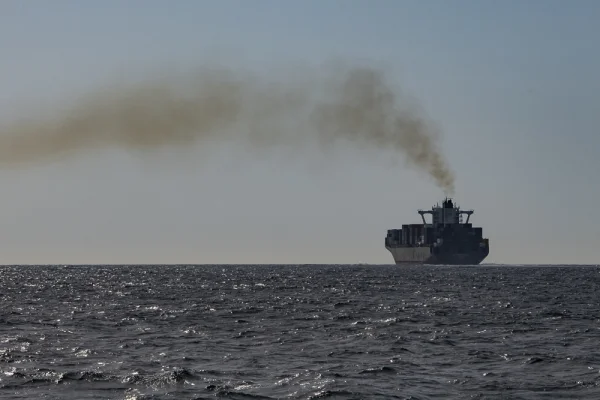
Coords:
513,85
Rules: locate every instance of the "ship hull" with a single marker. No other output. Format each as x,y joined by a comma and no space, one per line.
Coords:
423,255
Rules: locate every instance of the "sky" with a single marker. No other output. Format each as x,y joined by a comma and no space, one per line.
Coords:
512,85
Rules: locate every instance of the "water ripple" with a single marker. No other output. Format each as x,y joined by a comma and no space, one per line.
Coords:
299,332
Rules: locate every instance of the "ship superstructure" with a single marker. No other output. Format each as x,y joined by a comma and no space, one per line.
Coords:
446,240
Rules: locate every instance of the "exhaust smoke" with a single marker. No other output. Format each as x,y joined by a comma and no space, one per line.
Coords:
356,105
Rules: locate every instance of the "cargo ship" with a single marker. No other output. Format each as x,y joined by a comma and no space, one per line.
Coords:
446,240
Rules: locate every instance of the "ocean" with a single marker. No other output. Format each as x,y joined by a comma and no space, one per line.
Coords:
300,332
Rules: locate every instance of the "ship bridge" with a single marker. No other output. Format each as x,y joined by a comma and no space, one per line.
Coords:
447,213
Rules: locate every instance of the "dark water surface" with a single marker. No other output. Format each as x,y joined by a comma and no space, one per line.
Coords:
299,332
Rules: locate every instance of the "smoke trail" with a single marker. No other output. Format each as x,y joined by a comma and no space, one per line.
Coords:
356,105
365,109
